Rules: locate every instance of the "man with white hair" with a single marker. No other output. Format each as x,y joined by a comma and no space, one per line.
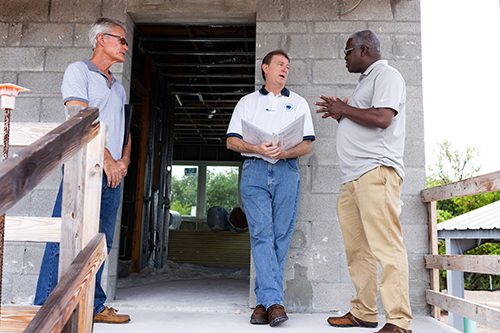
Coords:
90,83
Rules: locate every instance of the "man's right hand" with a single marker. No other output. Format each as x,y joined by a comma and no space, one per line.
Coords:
112,169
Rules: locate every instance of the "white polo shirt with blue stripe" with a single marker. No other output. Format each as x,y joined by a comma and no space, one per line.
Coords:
270,113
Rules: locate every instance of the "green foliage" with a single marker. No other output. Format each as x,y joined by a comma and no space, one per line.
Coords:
451,166
221,190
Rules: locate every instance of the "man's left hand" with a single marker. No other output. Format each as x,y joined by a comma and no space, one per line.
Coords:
331,107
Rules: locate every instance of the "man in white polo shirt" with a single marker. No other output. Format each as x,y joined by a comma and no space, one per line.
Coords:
370,146
270,180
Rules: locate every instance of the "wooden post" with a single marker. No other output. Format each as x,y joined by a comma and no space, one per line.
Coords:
92,204
141,167
433,249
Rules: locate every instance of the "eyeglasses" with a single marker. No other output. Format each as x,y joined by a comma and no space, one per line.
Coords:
122,39
346,52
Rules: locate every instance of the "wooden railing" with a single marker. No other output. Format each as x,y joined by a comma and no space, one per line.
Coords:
475,264
79,143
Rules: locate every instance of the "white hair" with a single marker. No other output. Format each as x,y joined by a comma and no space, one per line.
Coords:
100,26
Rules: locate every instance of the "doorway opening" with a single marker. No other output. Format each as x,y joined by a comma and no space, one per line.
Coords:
185,83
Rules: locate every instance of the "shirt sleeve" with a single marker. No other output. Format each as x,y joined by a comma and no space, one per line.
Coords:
234,128
388,92
308,123
74,86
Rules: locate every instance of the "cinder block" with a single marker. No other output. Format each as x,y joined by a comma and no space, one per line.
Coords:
328,235
325,152
47,34
407,47
52,182
280,27
414,181
4,34
336,27
417,271
377,10
326,179
395,27
414,155
14,257
313,46
7,278
265,43
52,110
21,59
75,10
117,9
324,71
314,10
41,83
42,202
9,77
23,288
301,236
416,238
410,70
414,211
298,72
27,109
21,208
417,298
15,34
24,10
317,207
81,38
58,59
332,297
407,10
327,266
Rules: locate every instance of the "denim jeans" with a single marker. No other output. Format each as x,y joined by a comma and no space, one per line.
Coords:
270,194
47,279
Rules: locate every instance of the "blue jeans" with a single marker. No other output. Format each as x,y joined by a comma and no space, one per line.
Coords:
270,194
47,280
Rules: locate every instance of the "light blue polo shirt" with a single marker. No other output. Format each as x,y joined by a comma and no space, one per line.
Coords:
84,82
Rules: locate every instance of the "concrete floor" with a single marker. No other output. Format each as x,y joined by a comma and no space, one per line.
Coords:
214,305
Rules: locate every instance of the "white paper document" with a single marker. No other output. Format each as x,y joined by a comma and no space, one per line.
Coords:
290,136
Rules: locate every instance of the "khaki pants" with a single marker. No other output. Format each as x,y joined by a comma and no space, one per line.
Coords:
368,210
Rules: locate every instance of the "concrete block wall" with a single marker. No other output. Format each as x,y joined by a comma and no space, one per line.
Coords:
38,40
316,276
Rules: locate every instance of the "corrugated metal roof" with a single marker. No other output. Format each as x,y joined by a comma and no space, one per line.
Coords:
486,217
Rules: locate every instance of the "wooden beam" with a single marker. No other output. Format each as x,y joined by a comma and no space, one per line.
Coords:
15,318
64,298
476,185
481,314
22,172
482,264
24,134
141,171
433,249
32,229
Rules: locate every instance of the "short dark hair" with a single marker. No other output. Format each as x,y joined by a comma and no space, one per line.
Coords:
267,59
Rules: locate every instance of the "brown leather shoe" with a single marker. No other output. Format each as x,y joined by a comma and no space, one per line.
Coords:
348,320
391,328
276,314
259,315
109,316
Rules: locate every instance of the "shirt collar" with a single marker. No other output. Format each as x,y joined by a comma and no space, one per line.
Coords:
372,66
284,91
92,67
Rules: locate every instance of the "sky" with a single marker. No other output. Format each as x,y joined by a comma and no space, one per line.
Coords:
461,77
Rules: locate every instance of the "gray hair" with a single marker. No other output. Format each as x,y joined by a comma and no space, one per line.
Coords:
100,26
367,38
